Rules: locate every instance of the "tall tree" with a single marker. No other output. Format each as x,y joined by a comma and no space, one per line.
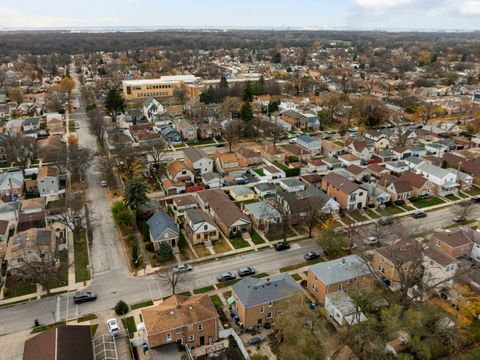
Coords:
15,94
78,159
248,93
231,133
277,58
136,191
73,214
247,112
170,277
20,149
96,123
223,83
114,103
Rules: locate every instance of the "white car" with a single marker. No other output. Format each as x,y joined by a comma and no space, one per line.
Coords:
103,183
371,240
292,140
113,328
182,268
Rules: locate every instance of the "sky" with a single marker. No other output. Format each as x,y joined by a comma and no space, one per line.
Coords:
320,14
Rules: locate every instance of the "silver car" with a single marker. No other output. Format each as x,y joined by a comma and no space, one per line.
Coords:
113,328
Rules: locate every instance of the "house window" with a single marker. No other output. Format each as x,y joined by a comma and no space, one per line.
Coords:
270,304
262,309
205,227
279,312
200,327
269,315
314,288
168,336
178,331
191,338
190,326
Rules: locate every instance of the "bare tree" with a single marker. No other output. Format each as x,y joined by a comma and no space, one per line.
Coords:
231,133
127,163
170,277
426,112
73,215
274,132
107,164
157,152
20,149
331,105
96,123
78,159
463,209
285,219
55,99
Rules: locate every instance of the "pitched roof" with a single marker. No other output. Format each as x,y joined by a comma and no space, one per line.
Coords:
454,238
416,180
225,210
178,311
339,270
263,210
47,171
159,222
402,187
184,200
341,183
175,167
401,251
440,257
194,153
197,216
355,169
252,291
72,342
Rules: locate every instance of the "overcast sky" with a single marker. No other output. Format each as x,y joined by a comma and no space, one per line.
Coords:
375,14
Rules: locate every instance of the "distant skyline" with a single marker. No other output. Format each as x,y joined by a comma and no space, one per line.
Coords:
316,14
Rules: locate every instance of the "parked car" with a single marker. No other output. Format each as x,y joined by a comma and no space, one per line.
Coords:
371,240
476,199
81,297
226,276
387,220
246,271
458,218
220,145
180,268
418,214
311,255
103,183
424,196
113,328
292,140
283,245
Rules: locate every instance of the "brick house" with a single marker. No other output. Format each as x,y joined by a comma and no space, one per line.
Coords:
200,227
457,243
347,273
259,301
191,321
347,193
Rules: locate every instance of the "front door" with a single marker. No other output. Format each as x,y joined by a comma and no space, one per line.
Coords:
202,340
260,321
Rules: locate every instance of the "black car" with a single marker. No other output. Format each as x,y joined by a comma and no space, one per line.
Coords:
246,271
418,214
226,276
282,246
311,255
81,297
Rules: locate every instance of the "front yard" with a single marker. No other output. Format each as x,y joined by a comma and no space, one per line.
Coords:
390,210
81,258
16,288
239,243
428,202
256,238
475,190
221,246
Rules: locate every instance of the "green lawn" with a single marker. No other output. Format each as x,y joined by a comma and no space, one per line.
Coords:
129,324
239,243
300,265
86,317
81,259
185,293
18,289
216,300
453,198
428,202
297,277
227,283
256,238
475,190
62,275
201,142
391,210
141,304
93,329
204,289
259,172
462,195
373,214
261,275
454,225
279,236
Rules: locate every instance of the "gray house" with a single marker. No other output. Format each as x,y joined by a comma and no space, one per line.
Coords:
311,144
163,229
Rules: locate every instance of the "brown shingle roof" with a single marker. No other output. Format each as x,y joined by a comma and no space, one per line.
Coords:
453,238
47,171
178,311
402,187
354,169
416,180
440,257
341,183
399,252
72,342
175,167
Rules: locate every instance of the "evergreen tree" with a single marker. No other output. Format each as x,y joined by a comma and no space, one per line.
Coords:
261,86
247,112
277,58
136,193
248,94
273,106
223,83
114,103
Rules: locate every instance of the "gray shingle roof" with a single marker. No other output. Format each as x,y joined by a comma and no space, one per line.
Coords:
159,222
252,291
194,153
338,270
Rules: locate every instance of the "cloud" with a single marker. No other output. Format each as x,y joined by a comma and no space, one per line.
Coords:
381,4
11,18
469,7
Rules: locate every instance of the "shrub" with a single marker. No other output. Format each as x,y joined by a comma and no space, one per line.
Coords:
121,308
135,255
400,202
122,215
145,229
149,246
182,242
164,252
131,240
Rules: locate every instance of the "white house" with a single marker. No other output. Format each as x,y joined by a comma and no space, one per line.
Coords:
48,181
316,166
475,254
151,108
444,180
197,161
398,167
272,172
440,267
212,180
342,309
